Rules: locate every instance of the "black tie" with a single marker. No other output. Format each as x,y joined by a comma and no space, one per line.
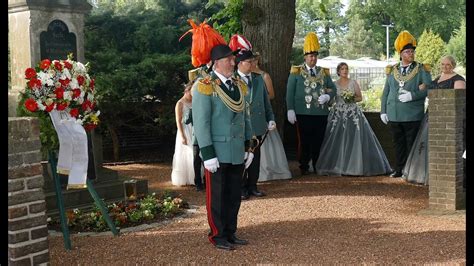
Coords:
312,72
404,70
230,85
249,81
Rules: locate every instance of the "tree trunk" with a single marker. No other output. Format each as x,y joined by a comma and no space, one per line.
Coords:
115,142
270,26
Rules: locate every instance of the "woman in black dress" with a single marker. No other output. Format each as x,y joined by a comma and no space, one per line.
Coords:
416,167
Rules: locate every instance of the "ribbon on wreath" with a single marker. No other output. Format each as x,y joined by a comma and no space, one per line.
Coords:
73,157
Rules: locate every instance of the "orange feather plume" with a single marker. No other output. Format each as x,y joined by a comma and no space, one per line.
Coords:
204,39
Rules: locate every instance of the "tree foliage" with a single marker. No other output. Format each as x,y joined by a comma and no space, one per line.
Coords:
457,44
228,20
430,49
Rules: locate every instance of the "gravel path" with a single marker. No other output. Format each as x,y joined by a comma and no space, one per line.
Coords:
305,220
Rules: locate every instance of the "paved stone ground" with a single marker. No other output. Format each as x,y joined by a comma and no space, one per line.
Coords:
305,220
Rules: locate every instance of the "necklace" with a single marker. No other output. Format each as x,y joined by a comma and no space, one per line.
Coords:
311,83
403,79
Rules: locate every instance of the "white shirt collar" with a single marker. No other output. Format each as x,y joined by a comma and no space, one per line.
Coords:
244,75
308,68
222,78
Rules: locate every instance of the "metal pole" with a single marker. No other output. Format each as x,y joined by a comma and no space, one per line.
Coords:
387,31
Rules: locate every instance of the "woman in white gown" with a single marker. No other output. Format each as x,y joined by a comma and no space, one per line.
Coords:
183,171
350,147
273,162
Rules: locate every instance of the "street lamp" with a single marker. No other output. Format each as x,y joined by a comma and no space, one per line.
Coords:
387,26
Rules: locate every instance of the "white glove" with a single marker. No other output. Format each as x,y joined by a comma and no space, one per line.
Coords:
384,118
271,125
211,165
291,116
405,97
248,158
324,98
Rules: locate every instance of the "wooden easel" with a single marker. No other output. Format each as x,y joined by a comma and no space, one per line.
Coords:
62,212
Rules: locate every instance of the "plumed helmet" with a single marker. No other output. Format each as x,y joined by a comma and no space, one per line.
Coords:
204,39
242,47
311,44
404,41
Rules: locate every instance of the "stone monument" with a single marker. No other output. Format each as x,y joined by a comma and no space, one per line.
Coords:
52,29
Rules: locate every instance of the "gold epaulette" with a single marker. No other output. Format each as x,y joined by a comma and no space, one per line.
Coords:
243,86
295,70
193,74
326,71
388,69
204,86
427,67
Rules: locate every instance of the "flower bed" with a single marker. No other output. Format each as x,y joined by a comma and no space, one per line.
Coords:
149,209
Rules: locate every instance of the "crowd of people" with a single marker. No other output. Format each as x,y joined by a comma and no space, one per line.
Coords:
226,125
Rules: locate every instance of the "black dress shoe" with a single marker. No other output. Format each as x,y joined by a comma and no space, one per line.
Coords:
256,193
199,188
238,241
225,245
244,196
304,172
396,174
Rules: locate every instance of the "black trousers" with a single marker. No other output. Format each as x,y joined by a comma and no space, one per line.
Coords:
249,181
223,200
311,129
403,136
197,163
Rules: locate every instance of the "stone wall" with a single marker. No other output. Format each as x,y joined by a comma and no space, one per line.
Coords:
27,226
446,145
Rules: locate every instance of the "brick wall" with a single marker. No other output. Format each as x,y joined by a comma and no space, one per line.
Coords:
27,226
446,146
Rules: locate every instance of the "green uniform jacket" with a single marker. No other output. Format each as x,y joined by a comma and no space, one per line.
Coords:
295,91
220,132
194,74
396,110
260,108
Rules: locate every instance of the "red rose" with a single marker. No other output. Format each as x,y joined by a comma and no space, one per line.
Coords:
34,83
76,93
30,73
31,105
49,108
80,80
58,66
74,112
67,65
61,106
85,105
89,126
64,82
59,93
45,64
91,84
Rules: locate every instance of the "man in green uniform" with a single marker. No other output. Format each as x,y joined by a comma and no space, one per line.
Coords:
308,93
402,99
258,107
223,133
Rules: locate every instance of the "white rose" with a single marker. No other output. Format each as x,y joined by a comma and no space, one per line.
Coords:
80,68
40,105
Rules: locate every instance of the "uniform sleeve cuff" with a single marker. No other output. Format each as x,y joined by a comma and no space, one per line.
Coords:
208,152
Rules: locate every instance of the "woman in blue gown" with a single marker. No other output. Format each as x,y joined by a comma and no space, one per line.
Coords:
350,147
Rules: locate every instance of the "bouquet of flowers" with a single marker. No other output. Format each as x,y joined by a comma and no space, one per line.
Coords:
62,85
348,96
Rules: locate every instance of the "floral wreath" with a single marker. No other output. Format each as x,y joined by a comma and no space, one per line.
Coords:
65,86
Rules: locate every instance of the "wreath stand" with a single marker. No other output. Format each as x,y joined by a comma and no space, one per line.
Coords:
59,199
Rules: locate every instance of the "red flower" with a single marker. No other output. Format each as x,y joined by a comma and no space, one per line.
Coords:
74,112
67,65
89,127
59,93
49,108
45,64
64,82
86,105
61,106
58,66
80,80
34,83
31,105
91,84
76,93
30,73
